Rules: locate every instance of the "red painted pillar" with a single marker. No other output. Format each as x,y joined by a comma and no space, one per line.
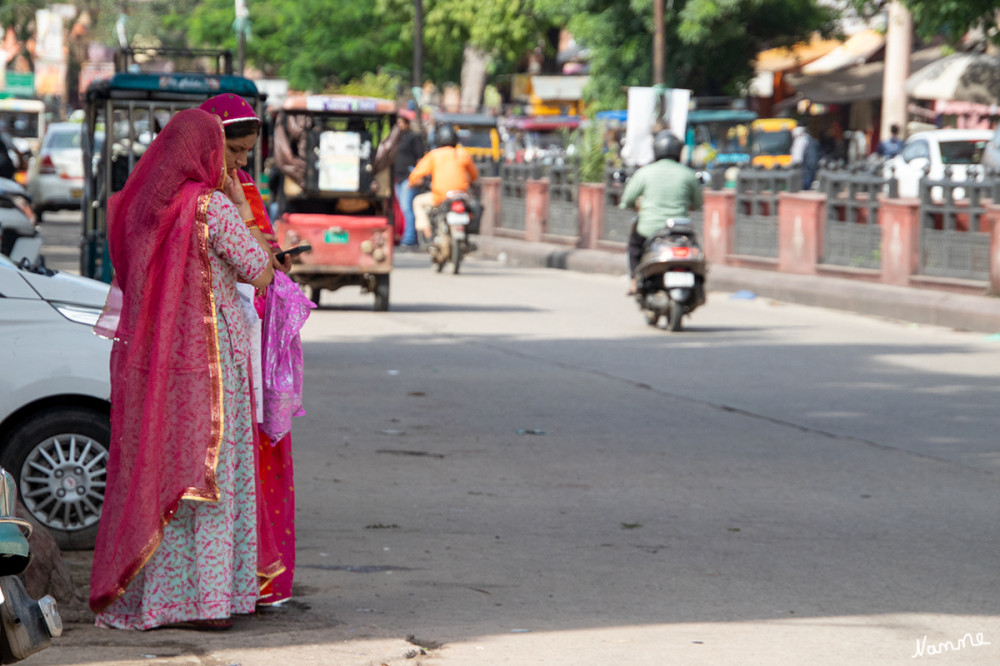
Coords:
536,203
489,188
900,221
800,231
590,198
992,221
720,210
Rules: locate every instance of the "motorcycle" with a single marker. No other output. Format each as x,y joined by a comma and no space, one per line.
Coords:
670,277
26,625
452,220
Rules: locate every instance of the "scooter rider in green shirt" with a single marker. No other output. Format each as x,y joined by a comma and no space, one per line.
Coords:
666,188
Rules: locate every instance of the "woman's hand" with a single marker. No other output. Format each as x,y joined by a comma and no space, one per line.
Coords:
233,189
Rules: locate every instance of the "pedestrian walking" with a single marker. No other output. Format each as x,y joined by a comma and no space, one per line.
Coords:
177,542
805,153
275,320
890,147
410,150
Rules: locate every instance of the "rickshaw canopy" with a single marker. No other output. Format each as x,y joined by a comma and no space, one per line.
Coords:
128,109
338,104
164,86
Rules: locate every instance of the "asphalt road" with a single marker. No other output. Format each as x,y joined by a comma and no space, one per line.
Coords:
510,467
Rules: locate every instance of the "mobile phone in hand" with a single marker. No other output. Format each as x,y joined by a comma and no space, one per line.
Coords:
291,252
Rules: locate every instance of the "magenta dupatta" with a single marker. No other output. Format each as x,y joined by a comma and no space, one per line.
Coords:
166,384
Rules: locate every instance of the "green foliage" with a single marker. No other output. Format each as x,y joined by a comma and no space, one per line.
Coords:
20,15
590,142
315,45
504,30
711,44
382,84
949,18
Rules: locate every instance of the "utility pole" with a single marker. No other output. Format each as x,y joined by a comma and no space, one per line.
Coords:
241,22
418,58
659,44
898,44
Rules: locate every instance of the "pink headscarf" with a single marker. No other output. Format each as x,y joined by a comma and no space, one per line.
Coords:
166,382
230,108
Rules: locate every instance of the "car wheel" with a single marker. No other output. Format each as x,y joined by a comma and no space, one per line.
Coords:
59,458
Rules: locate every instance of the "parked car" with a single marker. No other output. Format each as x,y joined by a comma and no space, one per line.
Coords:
933,151
17,219
991,153
55,174
55,391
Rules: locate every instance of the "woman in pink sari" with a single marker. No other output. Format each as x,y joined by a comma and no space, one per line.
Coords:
284,311
177,542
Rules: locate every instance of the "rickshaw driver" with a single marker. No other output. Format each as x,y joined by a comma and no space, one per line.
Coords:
451,169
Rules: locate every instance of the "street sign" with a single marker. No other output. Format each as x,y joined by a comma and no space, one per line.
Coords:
20,84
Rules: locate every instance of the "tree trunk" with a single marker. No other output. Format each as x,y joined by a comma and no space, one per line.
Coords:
474,63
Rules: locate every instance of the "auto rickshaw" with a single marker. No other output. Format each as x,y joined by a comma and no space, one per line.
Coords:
478,134
336,192
122,115
771,142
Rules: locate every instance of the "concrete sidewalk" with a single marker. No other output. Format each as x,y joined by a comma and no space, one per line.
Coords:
921,306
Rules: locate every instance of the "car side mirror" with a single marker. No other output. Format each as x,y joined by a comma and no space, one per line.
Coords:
26,251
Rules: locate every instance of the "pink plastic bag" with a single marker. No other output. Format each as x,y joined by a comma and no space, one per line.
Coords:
285,313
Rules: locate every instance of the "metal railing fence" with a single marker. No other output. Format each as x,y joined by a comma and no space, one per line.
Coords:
564,212
755,223
852,235
952,212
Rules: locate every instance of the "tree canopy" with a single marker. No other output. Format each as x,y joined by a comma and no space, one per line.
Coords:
711,44
952,19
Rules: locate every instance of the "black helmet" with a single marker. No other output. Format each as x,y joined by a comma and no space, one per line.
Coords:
667,146
446,136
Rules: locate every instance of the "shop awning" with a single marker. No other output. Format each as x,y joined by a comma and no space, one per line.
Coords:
856,50
782,59
853,84
964,77
555,88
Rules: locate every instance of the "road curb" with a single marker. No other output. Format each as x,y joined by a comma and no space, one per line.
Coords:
921,306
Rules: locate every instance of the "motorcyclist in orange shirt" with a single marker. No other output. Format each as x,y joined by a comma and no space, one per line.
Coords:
450,169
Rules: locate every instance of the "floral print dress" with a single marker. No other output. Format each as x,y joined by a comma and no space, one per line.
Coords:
206,565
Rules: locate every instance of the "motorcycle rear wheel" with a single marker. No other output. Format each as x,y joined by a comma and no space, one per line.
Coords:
456,255
675,313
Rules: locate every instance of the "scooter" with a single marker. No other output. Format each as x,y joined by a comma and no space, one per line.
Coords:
670,277
26,625
453,220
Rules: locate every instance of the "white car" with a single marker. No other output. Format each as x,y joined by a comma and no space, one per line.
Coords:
55,392
936,150
55,174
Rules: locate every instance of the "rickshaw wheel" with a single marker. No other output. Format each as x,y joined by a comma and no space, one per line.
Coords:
382,293
314,295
